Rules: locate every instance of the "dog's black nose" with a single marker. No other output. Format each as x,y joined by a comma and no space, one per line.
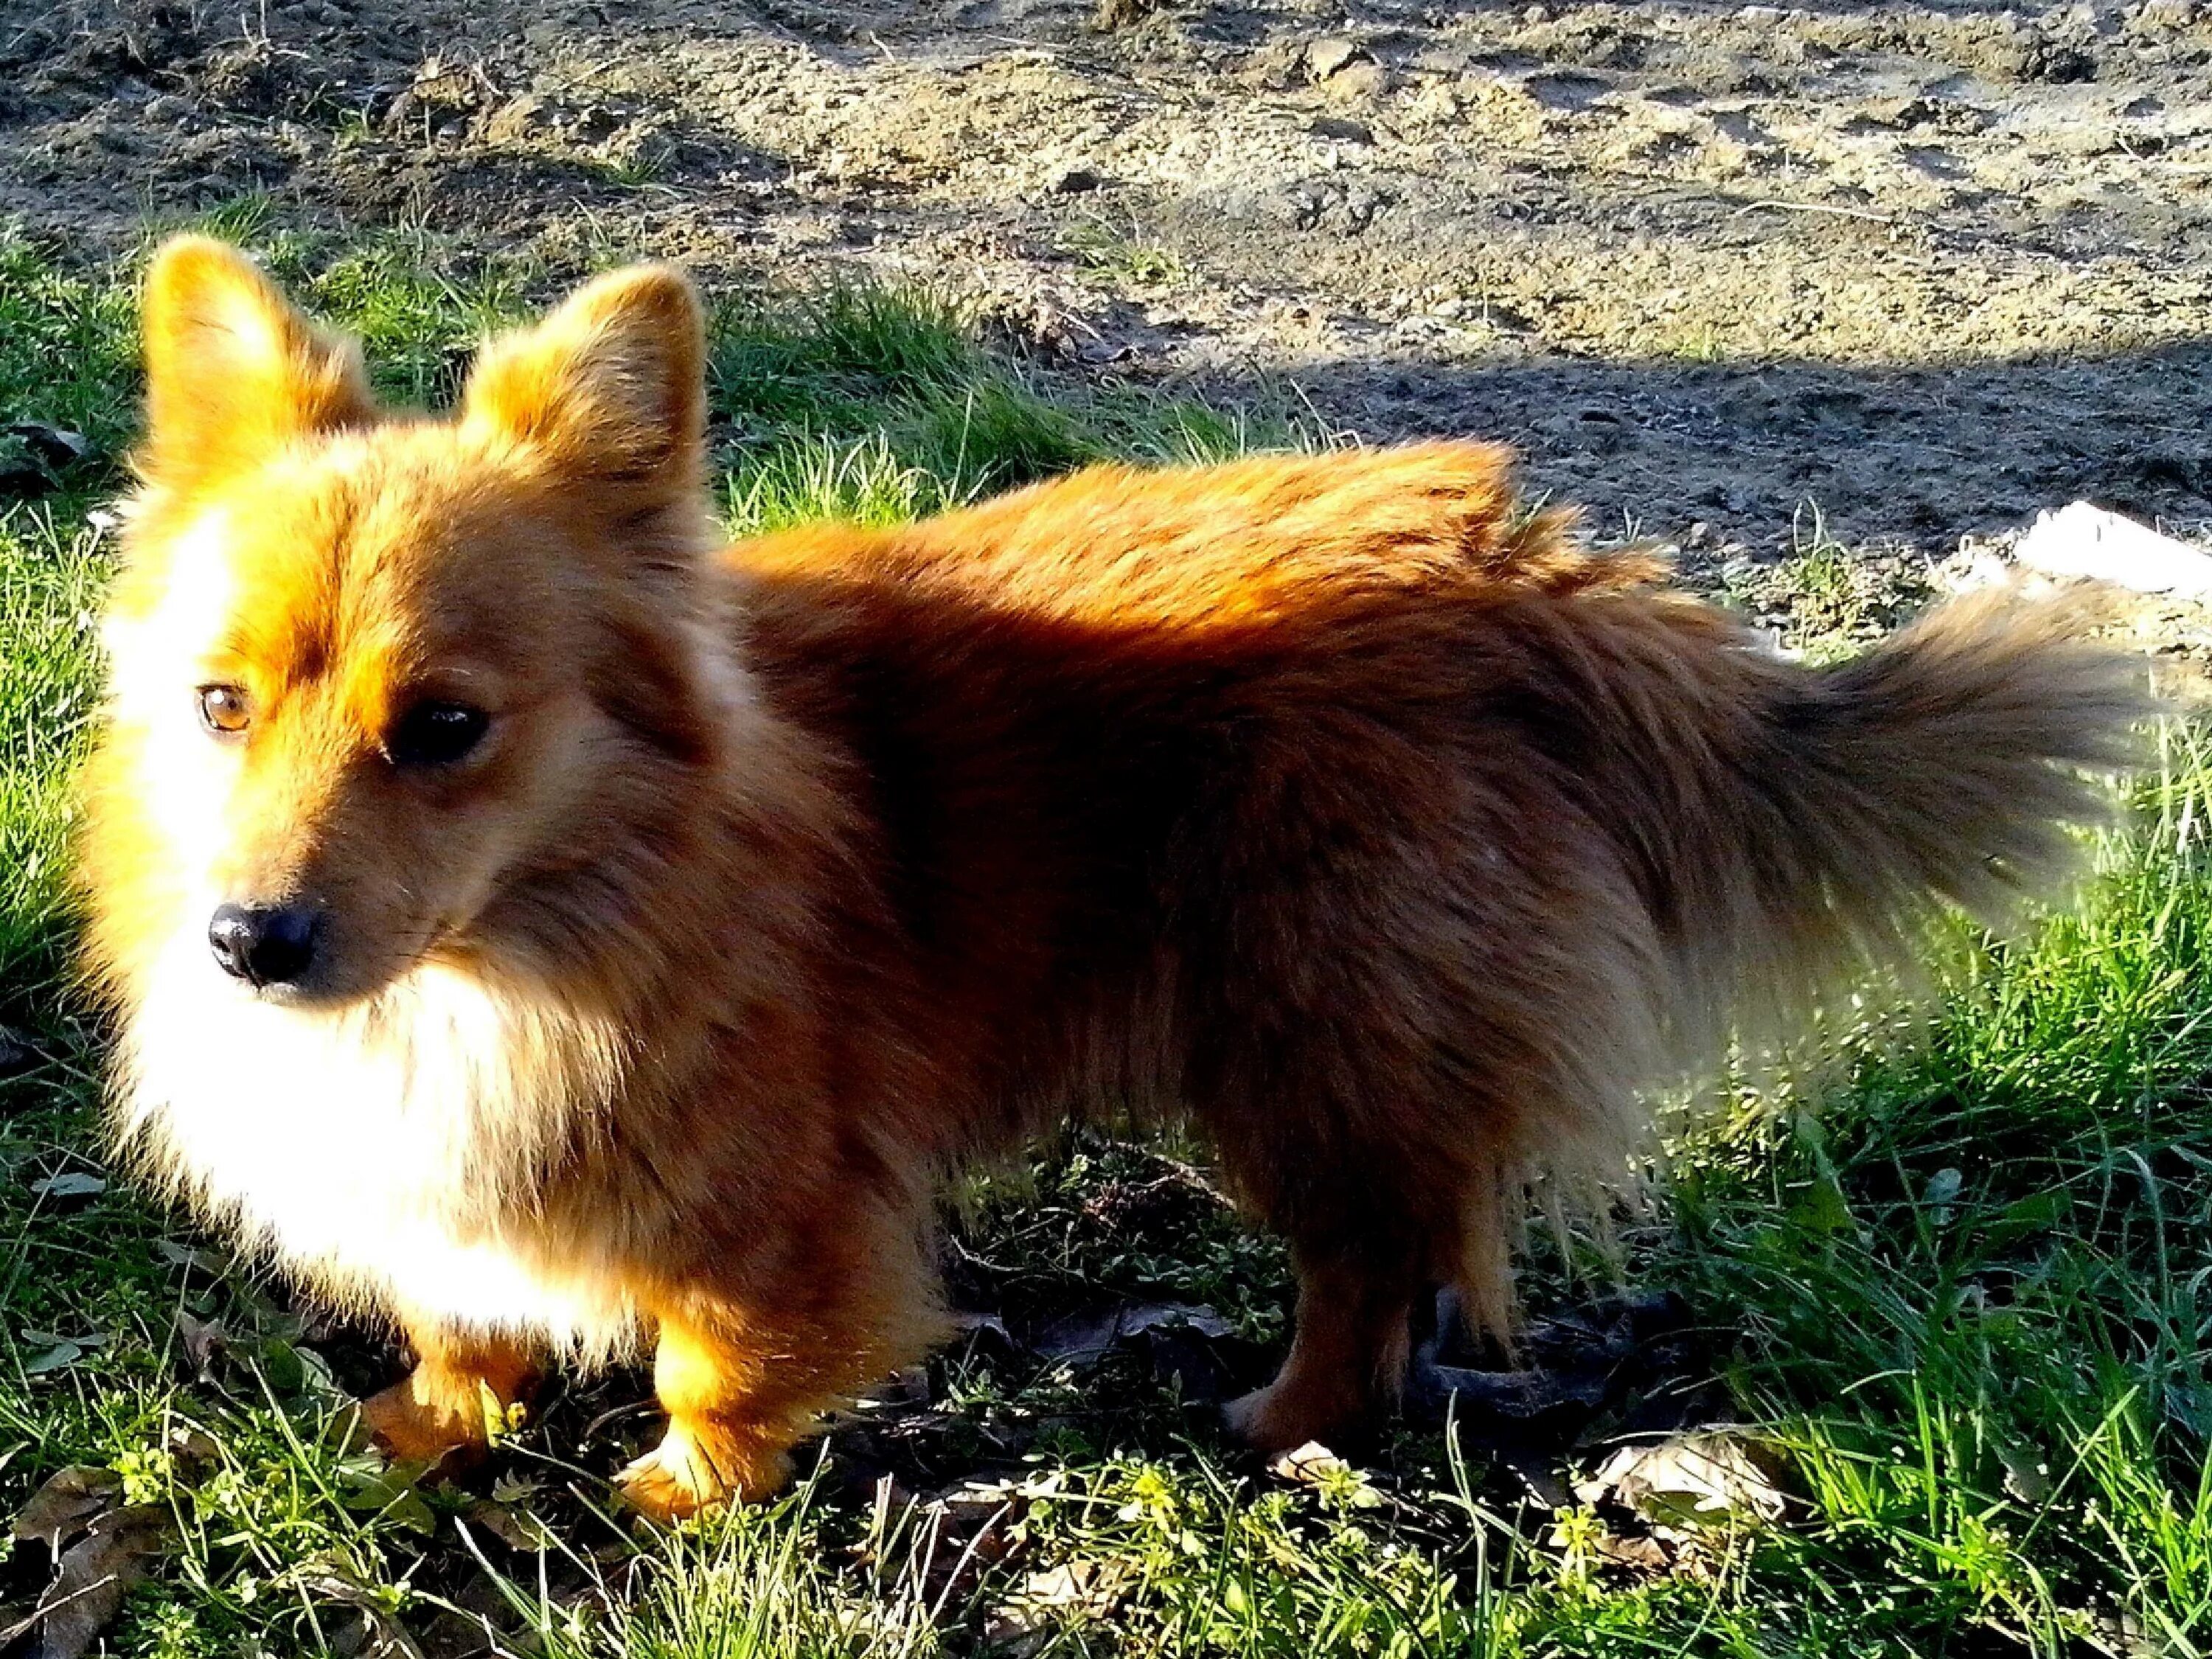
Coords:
270,944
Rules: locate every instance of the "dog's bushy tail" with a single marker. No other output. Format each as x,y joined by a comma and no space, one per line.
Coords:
1790,833
1827,813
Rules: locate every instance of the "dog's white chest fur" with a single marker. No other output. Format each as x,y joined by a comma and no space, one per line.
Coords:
388,1153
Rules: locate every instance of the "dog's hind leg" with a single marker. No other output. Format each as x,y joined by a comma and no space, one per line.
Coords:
440,1406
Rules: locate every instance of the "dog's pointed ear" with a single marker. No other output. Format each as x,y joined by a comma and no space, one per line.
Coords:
231,370
611,389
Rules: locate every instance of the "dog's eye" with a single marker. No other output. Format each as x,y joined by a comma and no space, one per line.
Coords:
224,710
436,734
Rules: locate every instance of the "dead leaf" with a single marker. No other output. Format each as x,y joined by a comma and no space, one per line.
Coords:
57,446
516,1529
1086,1339
1056,1595
93,1573
1647,1556
73,1183
206,1341
2026,1475
1523,1395
1314,1465
964,1531
93,1577
1537,1476
70,1501
1710,1480
1310,1465
194,1449
383,1636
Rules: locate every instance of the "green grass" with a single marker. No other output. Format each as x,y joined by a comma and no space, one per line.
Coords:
1966,1301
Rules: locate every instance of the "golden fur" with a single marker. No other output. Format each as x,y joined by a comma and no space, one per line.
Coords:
1394,839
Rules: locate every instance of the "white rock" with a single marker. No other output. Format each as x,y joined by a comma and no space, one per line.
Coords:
2081,540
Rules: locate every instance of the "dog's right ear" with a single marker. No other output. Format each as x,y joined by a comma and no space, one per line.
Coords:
231,370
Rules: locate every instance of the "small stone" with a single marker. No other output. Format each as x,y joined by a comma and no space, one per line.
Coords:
1327,57
1364,79
1343,130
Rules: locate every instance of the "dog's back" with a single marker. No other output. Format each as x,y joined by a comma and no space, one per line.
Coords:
1398,840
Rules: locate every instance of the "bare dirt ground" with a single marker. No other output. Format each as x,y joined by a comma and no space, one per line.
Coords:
1928,266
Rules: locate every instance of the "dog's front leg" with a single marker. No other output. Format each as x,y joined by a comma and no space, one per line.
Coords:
440,1405
739,1394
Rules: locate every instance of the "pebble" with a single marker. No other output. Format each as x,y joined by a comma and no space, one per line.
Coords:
1326,57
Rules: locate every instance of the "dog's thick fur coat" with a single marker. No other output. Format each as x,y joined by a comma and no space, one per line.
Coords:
1393,839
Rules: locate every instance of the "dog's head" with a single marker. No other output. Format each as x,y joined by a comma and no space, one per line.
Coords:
375,675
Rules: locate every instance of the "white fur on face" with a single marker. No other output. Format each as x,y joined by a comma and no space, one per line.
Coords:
157,663
389,1152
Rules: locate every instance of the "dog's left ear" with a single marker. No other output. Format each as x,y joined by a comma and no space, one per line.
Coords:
609,390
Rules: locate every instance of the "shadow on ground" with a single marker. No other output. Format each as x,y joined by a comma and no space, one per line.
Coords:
1915,454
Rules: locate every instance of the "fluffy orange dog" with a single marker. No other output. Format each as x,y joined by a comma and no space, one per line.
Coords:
530,918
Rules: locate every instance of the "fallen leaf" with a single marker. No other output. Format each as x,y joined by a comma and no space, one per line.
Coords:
2083,540
516,1529
206,1341
1709,1479
2026,1476
963,1532
57,446
908,1388
1520,1394
1055,1595
1537,1476
1084,1340
66,1504
1309,1465
73,1183
1645,1555
383,1636
91,1573
195,1449
94,1574
1314,1465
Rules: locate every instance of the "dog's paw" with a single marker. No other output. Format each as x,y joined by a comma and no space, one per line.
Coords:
1251,1418
682,1476
1280,1419
408,1427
